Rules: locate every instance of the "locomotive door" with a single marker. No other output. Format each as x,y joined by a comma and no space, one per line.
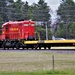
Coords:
7,32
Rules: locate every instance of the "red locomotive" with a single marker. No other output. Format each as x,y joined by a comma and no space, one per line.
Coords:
13,32
18,30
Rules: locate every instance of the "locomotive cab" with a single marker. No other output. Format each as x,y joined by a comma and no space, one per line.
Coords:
28,30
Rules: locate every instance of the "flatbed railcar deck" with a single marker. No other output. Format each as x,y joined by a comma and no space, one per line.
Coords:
49,43
60,42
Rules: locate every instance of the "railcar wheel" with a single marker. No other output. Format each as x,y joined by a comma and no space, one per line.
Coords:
35,47
39,47
23,48
44,47
3,46
8,48
12,47
49,47
32,48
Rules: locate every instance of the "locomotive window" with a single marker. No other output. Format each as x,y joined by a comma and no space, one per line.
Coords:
25,24
32,24
6,27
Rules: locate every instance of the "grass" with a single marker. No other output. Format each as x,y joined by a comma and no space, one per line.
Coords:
39,73
36,63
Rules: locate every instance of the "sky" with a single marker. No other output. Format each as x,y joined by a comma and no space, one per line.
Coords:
52,3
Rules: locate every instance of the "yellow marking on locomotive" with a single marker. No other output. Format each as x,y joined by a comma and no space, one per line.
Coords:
14,29
30,42
59,41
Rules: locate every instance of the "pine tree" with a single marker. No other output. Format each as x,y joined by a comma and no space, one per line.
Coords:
41,11
3,10
66,11
18,10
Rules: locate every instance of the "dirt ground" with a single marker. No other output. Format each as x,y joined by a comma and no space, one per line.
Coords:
36,60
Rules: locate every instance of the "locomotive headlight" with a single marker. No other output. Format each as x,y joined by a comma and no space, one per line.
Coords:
3,32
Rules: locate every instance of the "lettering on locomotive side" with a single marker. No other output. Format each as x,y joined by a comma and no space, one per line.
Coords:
28,24
14,29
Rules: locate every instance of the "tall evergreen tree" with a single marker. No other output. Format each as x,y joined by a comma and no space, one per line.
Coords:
10,9
18,10
66,11
41,11
25,10
3,10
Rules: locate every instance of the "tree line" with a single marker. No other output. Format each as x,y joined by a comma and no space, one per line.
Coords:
10,10
66,20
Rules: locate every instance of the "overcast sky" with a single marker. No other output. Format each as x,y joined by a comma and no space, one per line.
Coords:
52,3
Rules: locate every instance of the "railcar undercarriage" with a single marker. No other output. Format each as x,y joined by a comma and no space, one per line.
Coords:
34,44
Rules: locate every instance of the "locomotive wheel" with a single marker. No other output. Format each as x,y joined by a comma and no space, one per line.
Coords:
3,46
12,47
17,46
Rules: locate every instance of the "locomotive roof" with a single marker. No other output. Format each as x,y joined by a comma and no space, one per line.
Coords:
17,22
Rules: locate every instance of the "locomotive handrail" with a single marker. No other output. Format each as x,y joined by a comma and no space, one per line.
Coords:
38,35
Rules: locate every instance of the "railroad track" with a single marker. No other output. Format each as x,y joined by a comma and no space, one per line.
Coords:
65,51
